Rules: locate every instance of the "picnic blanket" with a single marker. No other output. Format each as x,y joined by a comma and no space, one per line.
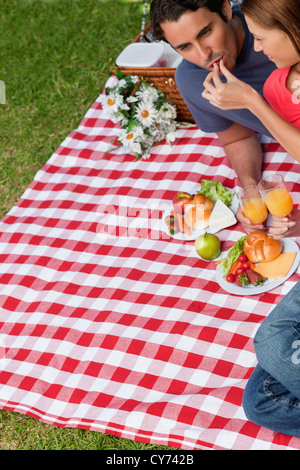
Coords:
109,324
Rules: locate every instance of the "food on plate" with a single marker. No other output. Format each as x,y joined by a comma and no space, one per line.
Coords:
176,224
279,267
237,268
255,278
242,280
216,191
183,226
241,267
235,251
202,199
208,246
172,224
261,247
197,214
221,217
243,273
180,199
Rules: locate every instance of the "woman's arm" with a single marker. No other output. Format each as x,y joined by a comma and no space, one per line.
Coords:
235,94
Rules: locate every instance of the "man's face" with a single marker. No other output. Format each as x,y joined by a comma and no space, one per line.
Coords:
203,37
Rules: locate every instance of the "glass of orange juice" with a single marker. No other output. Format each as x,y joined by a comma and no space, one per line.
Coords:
276,195
252,204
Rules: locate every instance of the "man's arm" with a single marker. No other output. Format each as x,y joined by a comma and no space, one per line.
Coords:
244,153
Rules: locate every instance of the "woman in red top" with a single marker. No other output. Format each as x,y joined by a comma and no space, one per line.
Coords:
275,25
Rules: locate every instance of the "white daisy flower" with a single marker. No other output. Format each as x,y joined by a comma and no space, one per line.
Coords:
146,114
131,137
111,102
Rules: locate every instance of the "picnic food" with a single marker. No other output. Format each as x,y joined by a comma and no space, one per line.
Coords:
221,217
172,224
279,267
255,278
197,213
238,268
260,246
216,191
180,199
208,246
235,251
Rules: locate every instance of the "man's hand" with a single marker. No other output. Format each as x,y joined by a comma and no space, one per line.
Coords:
248,226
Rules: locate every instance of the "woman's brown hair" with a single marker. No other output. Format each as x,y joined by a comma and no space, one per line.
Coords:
279,14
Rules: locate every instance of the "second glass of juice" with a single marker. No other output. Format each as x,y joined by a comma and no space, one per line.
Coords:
252,204
276,195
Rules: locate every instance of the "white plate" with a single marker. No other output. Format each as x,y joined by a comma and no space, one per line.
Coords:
196,233
287,245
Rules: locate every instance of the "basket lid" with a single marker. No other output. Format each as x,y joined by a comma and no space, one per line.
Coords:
140,54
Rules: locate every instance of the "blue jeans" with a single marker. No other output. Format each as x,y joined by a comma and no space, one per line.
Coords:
272,394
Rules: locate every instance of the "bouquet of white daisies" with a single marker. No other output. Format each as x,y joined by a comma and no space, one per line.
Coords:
145,115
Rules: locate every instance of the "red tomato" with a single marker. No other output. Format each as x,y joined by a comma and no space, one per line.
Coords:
238,281
239,271
242,280
243,258
230,278
246,266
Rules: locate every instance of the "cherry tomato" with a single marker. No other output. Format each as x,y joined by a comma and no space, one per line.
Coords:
242,280
230,277
239,281
243,258
246,266
239,271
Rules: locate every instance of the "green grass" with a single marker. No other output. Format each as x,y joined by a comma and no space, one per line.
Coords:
55,57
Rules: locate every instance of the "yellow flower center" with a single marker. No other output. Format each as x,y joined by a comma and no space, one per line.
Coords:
111,102
129,136
145,113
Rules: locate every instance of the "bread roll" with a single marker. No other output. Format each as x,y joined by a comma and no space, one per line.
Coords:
197,217
202,199
261,247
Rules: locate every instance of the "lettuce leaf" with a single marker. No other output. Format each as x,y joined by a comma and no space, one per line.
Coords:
232,255
215,190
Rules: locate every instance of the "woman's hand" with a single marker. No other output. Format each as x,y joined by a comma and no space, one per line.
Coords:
286,226
233,94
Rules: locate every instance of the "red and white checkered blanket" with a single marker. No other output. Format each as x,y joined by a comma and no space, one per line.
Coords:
108,324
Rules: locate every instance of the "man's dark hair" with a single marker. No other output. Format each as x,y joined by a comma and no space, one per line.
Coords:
171,10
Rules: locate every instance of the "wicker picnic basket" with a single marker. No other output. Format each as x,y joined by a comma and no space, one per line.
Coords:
163,78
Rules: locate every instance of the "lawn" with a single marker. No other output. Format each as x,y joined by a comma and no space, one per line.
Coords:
55,57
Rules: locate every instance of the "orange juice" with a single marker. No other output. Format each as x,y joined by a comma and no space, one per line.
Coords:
255,210
279,202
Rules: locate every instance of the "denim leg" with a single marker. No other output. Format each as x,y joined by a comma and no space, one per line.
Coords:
277,342
267,403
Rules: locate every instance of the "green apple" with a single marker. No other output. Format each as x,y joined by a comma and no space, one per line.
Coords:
208,246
